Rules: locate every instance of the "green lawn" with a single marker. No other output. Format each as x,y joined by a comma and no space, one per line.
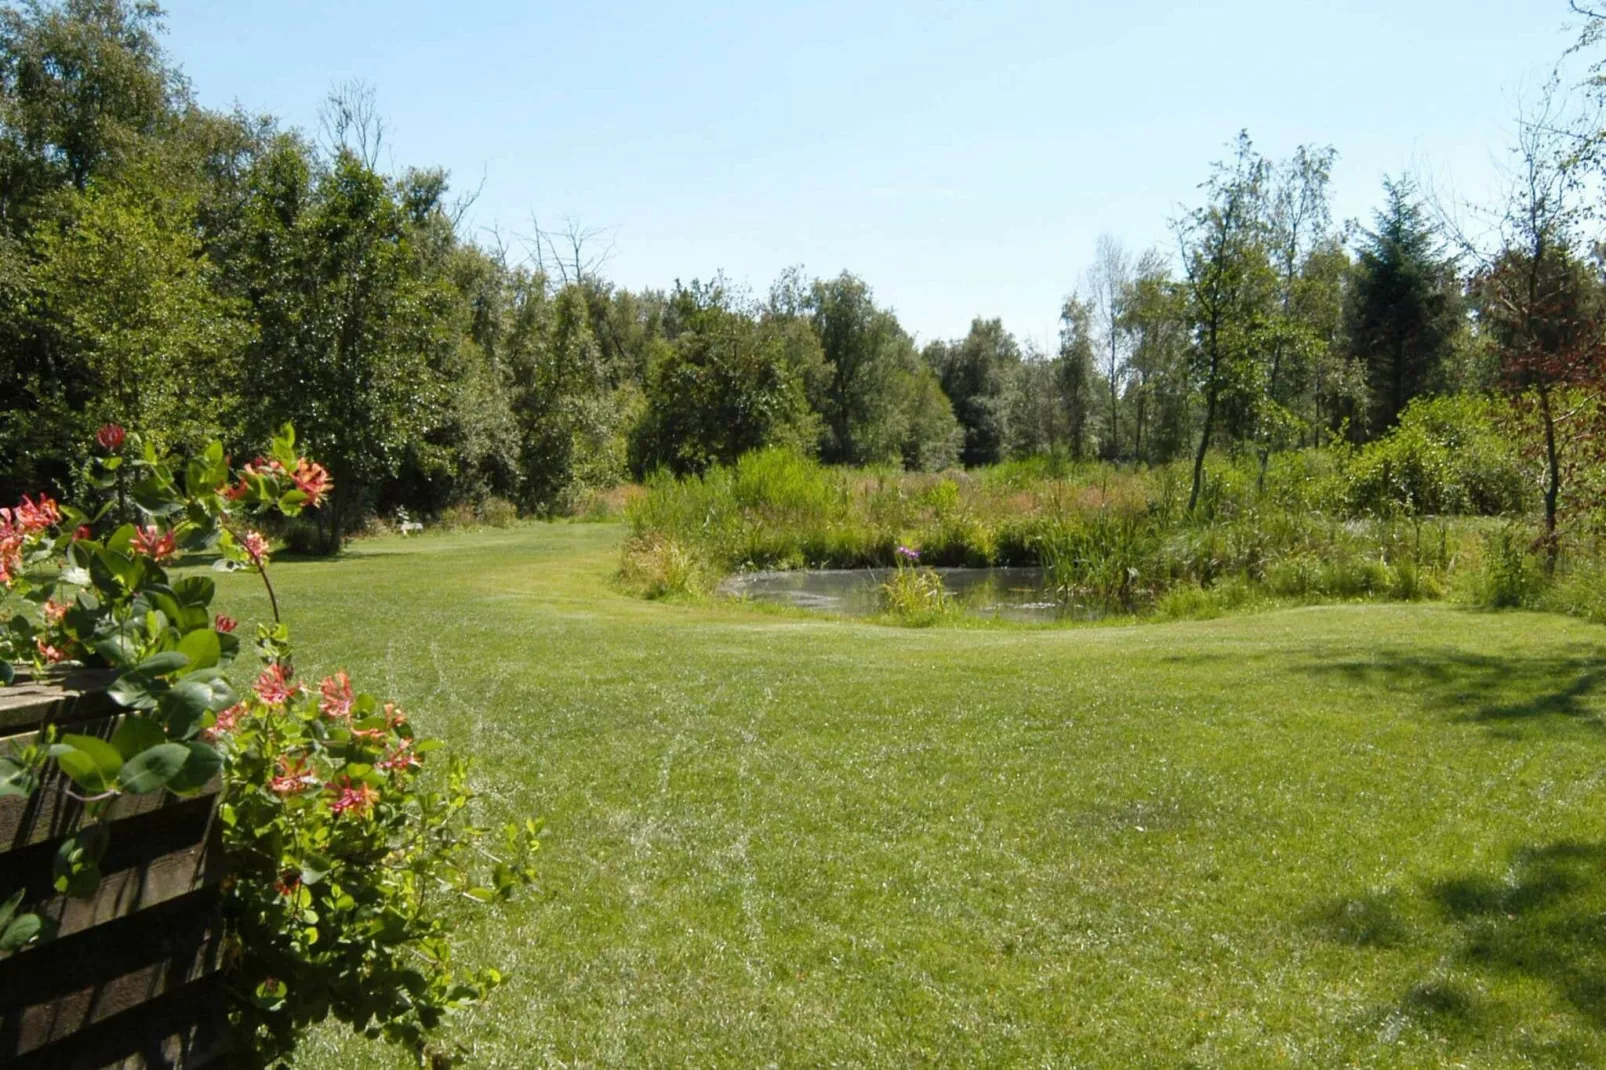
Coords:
1362,835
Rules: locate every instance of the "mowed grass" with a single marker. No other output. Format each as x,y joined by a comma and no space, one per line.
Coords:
1361,835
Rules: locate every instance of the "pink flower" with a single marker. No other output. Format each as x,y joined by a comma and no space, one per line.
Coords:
351,797
226,721
312,479
293,777
155,544
337,697
30,517
110,437
274,687
83,532
225,623
49,653
399,759
255,545
54,611
908,554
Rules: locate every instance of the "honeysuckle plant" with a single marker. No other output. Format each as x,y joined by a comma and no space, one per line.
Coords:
342,853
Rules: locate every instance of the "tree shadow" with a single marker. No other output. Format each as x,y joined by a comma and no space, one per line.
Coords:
1544,919
1495,690
1541,921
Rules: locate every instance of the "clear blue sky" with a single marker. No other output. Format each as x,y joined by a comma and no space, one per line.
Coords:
961,157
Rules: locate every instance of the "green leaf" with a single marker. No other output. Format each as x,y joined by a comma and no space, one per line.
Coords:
155,768
7,673
195,591
21,931
9,908
129,690
269,995
91,763
135,734
121,539
202,648
314,868
162,664
202,765
16,779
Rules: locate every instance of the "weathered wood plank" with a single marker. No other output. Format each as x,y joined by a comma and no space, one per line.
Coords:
135,889
183,1030
130,981
51,813
131,844
102,972
74,696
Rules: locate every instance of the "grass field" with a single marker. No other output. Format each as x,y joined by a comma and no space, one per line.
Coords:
1364,835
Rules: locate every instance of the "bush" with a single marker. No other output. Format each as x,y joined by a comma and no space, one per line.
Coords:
498,513
1511,576
658,567
913,595
1447,456
341,856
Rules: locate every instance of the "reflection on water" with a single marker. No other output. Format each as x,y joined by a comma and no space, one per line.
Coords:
1008,593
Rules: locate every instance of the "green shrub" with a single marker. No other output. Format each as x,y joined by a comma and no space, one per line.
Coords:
914,595
1512,576
1447,456
498,513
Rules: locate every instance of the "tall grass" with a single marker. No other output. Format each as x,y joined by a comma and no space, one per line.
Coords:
1109,539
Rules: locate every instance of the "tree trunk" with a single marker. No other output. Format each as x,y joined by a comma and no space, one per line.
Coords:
1552,483
1204,446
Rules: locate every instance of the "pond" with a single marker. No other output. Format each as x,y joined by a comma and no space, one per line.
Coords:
1019,594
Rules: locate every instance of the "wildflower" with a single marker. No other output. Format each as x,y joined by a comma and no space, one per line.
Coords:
337,697
83,533
257,546
399,759
908,554
312,479
30,517
294,776
49,653
54,611
394,717
225,722
274,687
288,884
157,545
110,437
352,797
225,623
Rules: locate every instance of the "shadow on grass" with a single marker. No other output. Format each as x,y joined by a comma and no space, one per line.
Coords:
1483,688
1543,920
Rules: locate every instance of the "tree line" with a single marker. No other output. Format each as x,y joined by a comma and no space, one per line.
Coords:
198,274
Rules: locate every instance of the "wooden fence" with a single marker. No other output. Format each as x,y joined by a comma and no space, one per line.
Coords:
131,978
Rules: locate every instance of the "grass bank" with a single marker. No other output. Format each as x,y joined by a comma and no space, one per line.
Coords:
1362,835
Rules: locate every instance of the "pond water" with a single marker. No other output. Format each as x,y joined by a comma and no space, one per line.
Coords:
1007,593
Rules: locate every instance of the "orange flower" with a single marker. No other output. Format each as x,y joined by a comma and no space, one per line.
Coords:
274,687
49,653
293,776
312,479
337,697
352,797
255,545
399,759
54,611
157,545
